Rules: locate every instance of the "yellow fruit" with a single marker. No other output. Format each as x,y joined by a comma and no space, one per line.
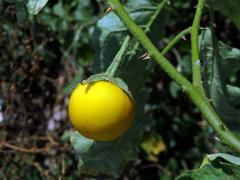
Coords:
100,110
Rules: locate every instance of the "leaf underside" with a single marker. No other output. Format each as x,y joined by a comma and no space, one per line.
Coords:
218,68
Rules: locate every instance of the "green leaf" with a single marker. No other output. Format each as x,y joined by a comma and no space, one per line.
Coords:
80,143
217,69
220,166
108,36
234,95
211,172
227,157
230,9
58,9
35,6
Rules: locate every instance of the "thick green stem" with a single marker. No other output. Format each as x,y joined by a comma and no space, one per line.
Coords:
176,39
196,63
198,99
112,69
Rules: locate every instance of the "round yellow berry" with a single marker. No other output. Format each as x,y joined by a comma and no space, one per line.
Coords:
100,110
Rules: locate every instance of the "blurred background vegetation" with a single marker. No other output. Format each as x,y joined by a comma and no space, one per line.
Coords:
41,59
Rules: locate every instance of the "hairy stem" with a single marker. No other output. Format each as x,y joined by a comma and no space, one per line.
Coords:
196,63
112,69
197,98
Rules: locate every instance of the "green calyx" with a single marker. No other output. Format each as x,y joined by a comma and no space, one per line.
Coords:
114,80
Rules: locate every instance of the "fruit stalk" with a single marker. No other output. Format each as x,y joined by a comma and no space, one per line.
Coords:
112,69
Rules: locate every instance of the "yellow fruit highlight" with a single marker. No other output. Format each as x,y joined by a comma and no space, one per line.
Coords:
100,110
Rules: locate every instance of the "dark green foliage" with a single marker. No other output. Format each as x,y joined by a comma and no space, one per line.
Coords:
46,49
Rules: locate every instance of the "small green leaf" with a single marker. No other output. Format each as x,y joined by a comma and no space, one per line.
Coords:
58,9
35,6
227,157
80,143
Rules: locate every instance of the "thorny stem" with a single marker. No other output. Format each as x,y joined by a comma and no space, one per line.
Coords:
225,135
149,24
112,69
176,39
170,44
196,63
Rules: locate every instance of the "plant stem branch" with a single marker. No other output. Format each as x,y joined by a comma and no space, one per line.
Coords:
196,63
155,15
176,39
112,69
198,99
149,24
25,150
